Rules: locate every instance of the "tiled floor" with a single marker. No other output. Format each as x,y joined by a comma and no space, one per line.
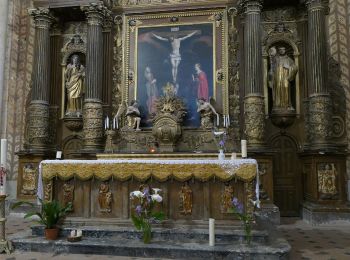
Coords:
326,242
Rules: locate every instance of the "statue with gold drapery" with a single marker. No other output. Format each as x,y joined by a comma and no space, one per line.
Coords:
282,72
74,84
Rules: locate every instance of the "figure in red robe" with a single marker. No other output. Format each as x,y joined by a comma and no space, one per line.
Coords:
202,83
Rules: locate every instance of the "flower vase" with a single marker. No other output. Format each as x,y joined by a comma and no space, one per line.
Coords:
147,232
221,155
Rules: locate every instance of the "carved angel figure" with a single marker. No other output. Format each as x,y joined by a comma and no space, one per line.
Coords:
207,113
132,113
105,198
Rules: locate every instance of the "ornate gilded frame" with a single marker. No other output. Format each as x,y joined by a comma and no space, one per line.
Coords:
216,17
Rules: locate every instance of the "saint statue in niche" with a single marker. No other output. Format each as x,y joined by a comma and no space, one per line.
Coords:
74,84
282,72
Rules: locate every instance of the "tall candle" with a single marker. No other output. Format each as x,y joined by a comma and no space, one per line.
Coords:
107,119
244,148
211,232
3,152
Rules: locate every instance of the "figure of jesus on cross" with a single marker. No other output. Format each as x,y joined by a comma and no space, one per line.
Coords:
175,56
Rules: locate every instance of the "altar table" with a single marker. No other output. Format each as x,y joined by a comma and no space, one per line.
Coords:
192,189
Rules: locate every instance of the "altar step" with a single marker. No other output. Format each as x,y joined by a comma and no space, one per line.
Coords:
167,243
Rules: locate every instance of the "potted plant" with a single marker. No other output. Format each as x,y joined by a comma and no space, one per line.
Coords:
50,215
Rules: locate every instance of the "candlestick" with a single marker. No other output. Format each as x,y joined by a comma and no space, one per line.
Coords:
244,148
3,152
233,156
211,232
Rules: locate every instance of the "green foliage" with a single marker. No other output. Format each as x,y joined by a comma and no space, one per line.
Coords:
51,212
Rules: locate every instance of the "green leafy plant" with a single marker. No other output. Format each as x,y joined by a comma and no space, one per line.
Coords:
247,219
144,213
51,212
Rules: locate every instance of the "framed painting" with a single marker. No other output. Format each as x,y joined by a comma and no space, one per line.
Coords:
186,51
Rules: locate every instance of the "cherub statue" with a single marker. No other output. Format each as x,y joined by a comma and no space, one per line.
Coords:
207,112
133,115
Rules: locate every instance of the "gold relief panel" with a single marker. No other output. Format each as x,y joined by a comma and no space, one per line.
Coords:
105,198
48,190
68,193
186,199
29,179
327,181
185,49
226,199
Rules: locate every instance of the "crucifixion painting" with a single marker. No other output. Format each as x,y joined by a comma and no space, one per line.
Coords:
179,55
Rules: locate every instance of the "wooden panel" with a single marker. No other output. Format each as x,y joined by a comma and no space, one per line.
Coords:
287,180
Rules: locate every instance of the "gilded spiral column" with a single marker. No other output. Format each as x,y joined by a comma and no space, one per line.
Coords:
253,75
37,137
93,113
320,104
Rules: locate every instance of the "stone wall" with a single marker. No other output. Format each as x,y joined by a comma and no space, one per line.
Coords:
339,47
16,81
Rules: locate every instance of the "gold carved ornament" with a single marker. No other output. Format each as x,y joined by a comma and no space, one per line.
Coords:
142,172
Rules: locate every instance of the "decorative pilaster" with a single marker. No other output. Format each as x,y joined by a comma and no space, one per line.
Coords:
320,104
107,64
38,114
254,100
93,114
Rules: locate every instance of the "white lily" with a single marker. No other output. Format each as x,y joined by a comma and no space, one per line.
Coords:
156,190
137,194
157,197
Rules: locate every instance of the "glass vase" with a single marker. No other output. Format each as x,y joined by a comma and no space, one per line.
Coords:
221,155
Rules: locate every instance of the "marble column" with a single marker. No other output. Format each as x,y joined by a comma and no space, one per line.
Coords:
254,116
320,104
38,115
93,112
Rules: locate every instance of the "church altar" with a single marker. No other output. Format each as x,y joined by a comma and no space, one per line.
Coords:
192,189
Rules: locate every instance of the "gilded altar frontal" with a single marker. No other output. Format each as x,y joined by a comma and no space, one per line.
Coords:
142,94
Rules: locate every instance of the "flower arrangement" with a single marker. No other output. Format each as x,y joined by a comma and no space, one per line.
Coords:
247,219
220,138
144,212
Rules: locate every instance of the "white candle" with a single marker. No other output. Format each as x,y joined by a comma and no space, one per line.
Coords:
3,152
257,188
72,233
217,120
228,120
211,232
79,233
107,119
224,120
114,124
117,120
58,155
233,156
244,148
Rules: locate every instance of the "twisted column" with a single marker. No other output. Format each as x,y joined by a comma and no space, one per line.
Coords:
253,80
93,114
320,104
38,114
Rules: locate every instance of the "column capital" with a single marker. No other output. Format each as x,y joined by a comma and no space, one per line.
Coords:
108,22
95,13
251,6
313,5
42,17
